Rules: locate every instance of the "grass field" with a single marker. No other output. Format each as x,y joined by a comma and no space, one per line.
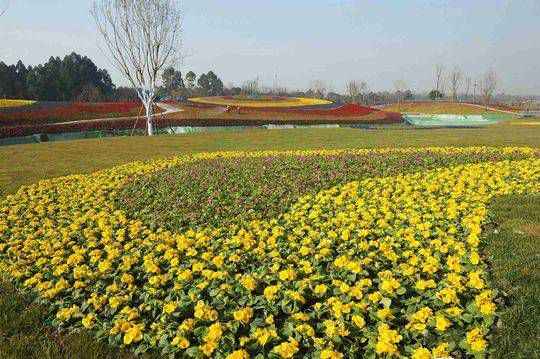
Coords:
440,108
29,163
513,251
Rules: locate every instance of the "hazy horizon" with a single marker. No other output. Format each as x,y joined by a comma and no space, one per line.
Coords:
334,41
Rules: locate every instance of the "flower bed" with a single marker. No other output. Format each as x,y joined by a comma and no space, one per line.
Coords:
254,102
51,112
15,103
380,266
344,110
129,123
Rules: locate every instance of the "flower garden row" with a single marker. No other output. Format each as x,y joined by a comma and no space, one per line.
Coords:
161,123
259,102
53,112
385,265
15,103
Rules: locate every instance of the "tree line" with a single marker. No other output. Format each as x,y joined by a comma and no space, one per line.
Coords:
77,78
73,78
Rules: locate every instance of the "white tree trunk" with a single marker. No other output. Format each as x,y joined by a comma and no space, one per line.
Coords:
149,118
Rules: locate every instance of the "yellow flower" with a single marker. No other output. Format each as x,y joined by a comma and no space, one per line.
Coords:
390,285
441,351
320,289
180,342
133,335
238,354
208,348
305,329
476,341
425,284
287,274
359,321
248,282
287,349
421,353
170,307
387,339
475,280
215,331
203,311
441,323
270,292
330,354
384,313
88,321
243,315
264,335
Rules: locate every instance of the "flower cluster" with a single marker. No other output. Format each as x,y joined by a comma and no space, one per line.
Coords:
15,103
229,190
254,102
54,112
342,110
381,266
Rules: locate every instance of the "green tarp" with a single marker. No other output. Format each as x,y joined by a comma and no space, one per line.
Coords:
455,120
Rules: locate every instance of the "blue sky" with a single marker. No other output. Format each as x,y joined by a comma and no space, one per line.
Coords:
375,41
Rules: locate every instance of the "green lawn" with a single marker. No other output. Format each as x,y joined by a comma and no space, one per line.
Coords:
514,250
440,108
24,164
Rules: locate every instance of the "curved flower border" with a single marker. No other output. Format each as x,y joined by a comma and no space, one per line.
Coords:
382,266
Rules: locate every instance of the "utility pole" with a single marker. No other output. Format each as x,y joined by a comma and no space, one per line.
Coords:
474,93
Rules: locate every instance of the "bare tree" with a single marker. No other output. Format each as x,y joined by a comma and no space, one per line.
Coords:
4,7
468,83
439,78
356,91
488,84
400,86
319,88
143,37
251,87
455,78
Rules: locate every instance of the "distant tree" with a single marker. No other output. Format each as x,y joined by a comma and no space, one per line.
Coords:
143,37
190,80
468,83
172,81
56,80
210,84
215,84
318,88
488,84
89,93
455,79
334,97
251,87
356,91
7,79
400,86
235,91
439,79
125,94
408,95
435,95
